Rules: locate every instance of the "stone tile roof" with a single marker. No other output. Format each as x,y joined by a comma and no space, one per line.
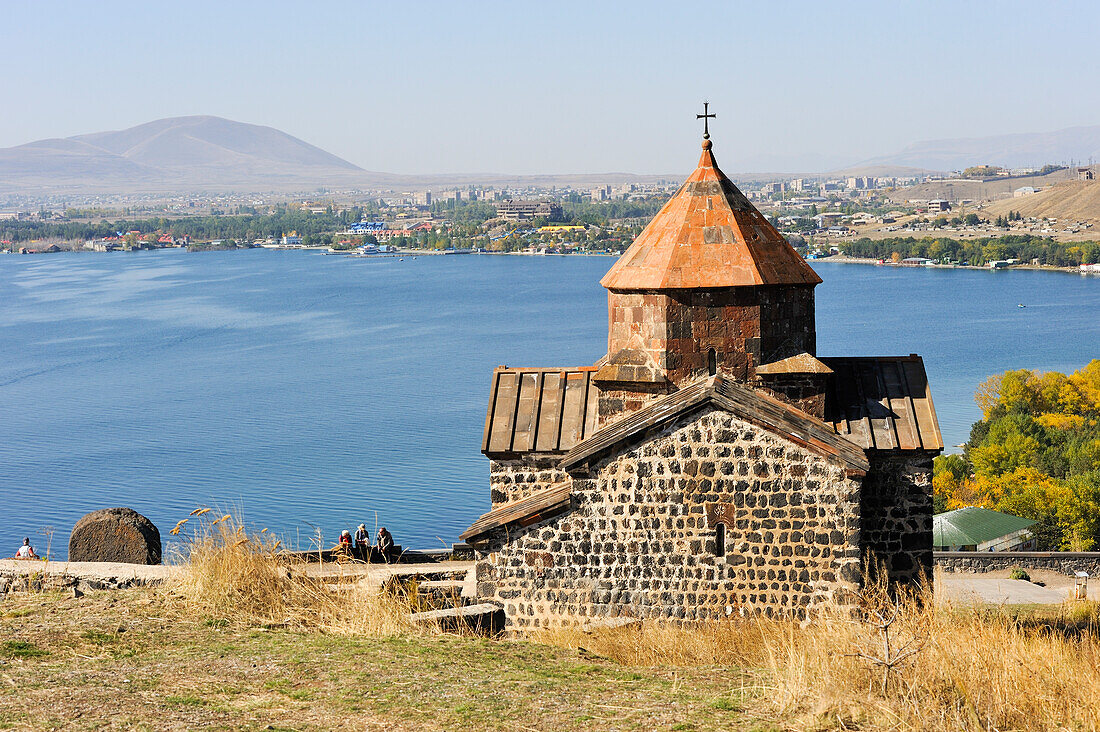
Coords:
878,403
708,235
882,403
744,403
534,410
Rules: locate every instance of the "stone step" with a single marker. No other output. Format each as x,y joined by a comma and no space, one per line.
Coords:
484,618
442,584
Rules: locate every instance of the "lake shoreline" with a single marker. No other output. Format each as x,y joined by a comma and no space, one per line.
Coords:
844,259
836,258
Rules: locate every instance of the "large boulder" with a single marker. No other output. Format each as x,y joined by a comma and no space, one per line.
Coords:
115,535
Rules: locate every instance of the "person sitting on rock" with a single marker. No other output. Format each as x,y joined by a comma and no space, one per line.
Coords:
362,542
344,547
26,551
384,543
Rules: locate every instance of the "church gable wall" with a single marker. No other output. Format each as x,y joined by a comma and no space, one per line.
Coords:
896,504
642,537
512,480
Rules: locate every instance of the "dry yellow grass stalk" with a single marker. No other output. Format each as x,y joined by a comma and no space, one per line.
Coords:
975,670
236,577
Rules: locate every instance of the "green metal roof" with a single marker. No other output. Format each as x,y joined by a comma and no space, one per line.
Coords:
973,525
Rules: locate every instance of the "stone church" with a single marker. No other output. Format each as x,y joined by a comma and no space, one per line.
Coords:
711,463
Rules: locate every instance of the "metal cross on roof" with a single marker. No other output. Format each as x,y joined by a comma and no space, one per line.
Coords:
706,120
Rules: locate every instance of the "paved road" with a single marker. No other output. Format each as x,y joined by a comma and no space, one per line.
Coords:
971,590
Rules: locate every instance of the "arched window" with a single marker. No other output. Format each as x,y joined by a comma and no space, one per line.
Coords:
720,540
712,361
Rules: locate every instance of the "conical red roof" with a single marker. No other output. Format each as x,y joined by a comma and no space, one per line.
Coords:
708,235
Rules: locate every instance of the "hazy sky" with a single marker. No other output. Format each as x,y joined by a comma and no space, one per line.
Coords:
557,87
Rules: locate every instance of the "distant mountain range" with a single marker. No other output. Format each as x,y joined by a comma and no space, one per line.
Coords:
173,154
1027,149
206,153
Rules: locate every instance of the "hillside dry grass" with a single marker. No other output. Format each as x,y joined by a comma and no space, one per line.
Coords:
1067,201
970,669
238,577
241,641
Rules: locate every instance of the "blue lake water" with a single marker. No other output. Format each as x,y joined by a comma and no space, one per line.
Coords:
311,392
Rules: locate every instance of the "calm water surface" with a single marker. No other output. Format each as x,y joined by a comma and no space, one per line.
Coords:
311,392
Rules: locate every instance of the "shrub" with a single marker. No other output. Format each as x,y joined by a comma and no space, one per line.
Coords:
1019,574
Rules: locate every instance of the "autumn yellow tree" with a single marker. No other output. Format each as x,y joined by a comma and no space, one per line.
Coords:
1035,454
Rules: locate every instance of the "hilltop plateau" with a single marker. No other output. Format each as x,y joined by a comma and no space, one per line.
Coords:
959,189
1067,201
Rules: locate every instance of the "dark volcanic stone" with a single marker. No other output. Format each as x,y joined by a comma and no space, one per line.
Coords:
115,535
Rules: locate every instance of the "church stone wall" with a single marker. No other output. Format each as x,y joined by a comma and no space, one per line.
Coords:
896,507
511,480
803,391
640,540
787,326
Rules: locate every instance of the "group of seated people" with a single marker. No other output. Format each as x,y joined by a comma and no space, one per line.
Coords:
360,547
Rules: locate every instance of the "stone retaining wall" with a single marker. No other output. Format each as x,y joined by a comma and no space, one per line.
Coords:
1062,562
26,575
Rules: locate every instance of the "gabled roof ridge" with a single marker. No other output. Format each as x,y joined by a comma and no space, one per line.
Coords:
543,503
550,369
744,403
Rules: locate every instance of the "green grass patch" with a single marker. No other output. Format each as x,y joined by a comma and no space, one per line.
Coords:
22,649
186,701
725,705
98,637
22,613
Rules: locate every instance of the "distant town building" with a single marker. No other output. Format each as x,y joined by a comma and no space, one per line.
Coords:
827,219
560,229
600,194
938,205
523,210
101,245
1024,191
1084,174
